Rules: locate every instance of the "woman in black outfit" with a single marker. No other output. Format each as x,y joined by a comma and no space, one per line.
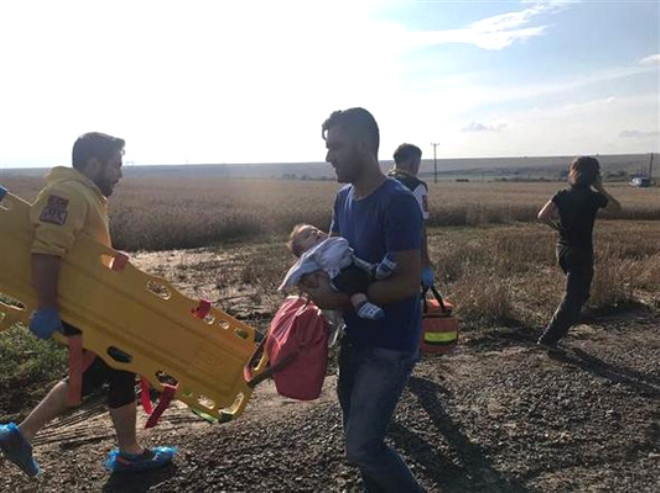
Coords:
576,207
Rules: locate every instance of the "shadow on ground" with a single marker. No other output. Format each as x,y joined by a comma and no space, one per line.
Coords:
476,472
138,483
646,385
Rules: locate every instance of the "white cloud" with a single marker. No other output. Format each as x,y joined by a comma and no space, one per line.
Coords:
493,33
477,126
551,3
586,127
651,60
462,93
638,134
486,38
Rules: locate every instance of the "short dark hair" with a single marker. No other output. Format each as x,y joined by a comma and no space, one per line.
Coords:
95,145
406,152
292,244
357,121
583,171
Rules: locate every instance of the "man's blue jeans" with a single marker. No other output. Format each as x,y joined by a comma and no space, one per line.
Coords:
371,381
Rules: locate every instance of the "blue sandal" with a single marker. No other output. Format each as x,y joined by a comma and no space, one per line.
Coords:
149,460
16,448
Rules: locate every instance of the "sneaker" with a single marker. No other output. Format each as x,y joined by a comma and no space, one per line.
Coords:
370,311
386,267
16,448
149,460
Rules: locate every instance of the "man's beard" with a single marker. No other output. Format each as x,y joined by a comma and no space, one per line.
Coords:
105,186
349,170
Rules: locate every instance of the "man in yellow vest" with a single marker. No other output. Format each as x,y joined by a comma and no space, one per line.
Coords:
74,203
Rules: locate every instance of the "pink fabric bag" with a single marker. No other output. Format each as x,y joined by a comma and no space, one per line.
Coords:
297,347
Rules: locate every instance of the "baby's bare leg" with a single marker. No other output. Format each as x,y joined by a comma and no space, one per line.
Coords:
357,299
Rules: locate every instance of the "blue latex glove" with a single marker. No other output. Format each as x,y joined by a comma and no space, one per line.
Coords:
427,277
45,322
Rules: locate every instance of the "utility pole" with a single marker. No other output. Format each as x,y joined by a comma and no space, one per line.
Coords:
651,168
435,162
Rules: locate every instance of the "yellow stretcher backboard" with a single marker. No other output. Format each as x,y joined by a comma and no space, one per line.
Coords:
126,314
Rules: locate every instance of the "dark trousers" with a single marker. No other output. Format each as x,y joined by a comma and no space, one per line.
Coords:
120,383
578,265
371,381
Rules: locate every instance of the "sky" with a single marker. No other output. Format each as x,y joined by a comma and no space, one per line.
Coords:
245,82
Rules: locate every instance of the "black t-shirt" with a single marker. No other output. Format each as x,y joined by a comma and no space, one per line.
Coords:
577,207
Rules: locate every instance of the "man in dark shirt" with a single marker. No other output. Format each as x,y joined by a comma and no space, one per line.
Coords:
577,208
377,215
407,160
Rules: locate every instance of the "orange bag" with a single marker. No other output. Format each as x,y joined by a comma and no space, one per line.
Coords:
439,326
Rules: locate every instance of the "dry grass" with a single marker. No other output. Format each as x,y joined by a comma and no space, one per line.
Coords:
162,213
493,274
509,273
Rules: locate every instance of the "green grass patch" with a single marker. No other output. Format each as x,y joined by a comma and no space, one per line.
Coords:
28,367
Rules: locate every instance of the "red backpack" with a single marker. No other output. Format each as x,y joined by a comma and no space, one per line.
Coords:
297,347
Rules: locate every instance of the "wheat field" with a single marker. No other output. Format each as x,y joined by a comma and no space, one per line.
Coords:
161,213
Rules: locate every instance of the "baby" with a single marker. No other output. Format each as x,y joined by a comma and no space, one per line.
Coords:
348,274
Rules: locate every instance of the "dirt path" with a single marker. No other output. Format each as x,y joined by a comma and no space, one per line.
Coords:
498,415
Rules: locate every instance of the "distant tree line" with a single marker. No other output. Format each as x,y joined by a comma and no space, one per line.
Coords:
294,176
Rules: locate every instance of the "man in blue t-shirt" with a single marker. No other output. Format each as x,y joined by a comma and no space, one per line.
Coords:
377,215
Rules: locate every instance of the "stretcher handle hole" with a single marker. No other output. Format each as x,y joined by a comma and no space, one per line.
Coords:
224,324
119,355
12,302
166,379
159,290
229,411
206,402
242,333
187,393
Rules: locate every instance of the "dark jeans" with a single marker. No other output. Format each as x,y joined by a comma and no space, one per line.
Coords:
371,381
578,265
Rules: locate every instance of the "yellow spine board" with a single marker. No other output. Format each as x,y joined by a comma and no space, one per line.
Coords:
139,315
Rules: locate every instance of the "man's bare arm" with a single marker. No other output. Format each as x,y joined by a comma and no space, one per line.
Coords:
45,277
402,284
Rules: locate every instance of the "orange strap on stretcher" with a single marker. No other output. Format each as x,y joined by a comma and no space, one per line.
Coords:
79,361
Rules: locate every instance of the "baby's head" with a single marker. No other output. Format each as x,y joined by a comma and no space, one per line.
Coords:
303,237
